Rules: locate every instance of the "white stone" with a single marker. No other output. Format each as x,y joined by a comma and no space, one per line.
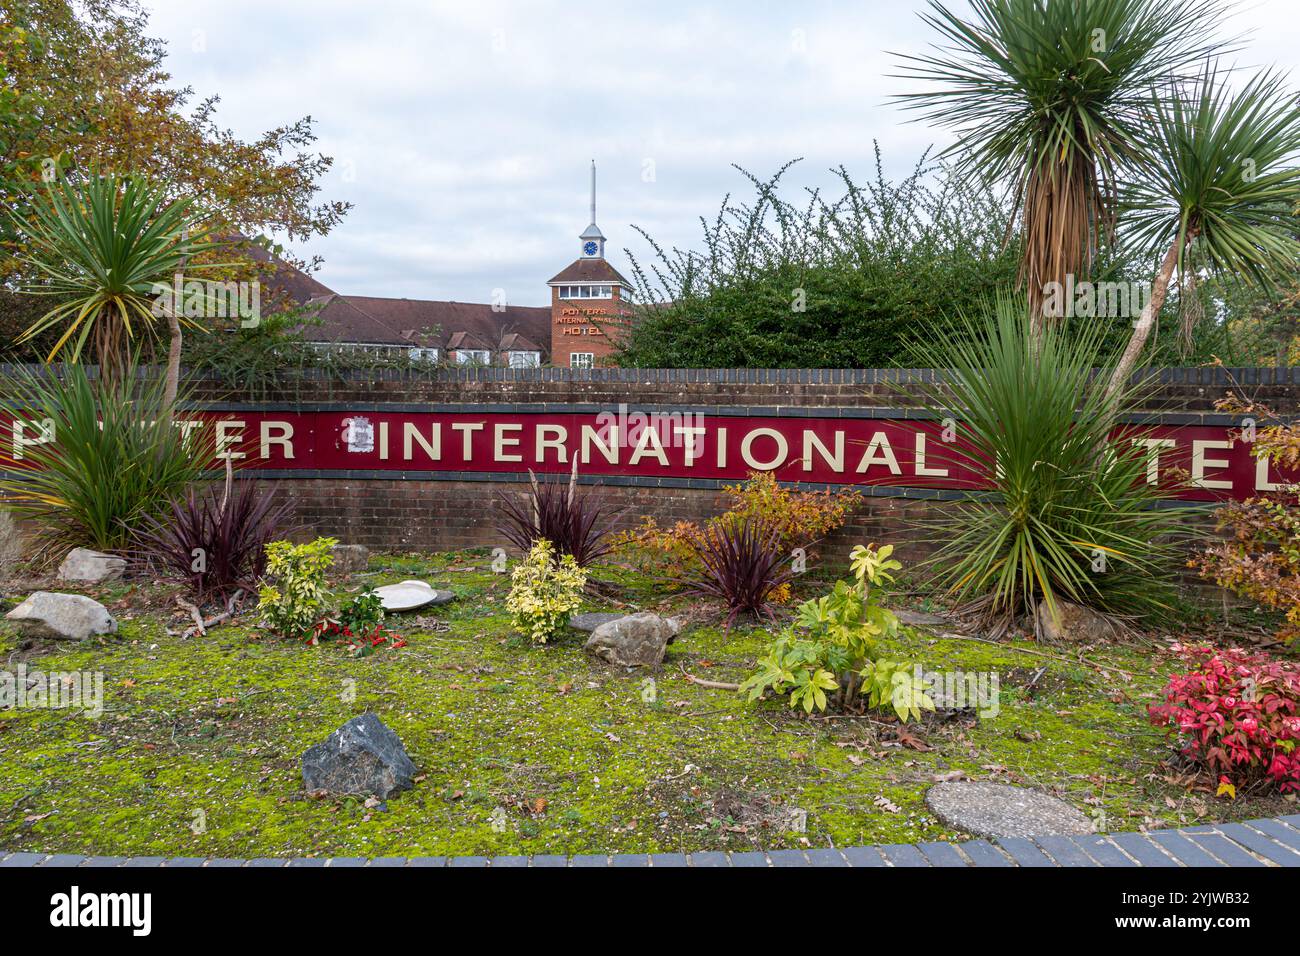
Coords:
409,595
75,616
82,564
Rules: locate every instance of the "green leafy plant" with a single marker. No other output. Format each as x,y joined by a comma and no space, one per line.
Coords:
363,613
833,282
100,246
96,459
544,591
1063,508
829,655
358,625
294,596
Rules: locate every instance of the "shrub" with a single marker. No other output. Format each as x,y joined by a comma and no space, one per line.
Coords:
740,563
112,458
1236,714
215,541
829,656
544,591
573,522
1065,513
666,552
295,597
835,282
799,518
358,626
1261,561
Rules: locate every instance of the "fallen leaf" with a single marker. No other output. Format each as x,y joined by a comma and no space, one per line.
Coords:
950,776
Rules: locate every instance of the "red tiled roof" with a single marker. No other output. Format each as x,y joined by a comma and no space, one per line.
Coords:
589,270
369,319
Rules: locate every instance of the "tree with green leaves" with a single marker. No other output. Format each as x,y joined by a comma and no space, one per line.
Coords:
87,91
1215,172
1050,97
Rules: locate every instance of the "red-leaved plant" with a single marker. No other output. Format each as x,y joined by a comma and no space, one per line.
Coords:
1235,713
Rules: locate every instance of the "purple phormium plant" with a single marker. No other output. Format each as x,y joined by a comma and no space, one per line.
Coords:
575,523
214,541
741,563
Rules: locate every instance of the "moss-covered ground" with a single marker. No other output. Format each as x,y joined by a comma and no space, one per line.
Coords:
527,749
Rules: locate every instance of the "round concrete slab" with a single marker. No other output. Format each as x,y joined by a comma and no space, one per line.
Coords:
1000,810
410,595
592,619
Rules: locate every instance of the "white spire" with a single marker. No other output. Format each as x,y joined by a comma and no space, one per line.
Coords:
593,242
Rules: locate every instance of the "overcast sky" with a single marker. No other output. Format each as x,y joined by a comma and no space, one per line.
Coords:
463,131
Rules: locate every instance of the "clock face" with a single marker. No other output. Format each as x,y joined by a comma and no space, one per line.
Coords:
590,248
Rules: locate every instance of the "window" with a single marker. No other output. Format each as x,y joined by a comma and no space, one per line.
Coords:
473,357
586,292
582,359
524,359
429,356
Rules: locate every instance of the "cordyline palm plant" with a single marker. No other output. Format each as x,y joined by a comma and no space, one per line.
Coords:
1215,171
574,523
1058,520
97,458
741,563
1049,97
102,247
215,540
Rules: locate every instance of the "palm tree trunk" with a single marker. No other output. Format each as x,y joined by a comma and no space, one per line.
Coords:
173,361
173,381
1145,323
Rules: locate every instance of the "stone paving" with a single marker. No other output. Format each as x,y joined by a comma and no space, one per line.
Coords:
1273,842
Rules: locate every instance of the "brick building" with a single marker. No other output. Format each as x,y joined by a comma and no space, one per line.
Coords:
579,329
588,302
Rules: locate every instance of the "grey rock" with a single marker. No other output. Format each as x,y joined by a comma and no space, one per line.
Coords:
591,620
363,757
82,564
998,810
1074,623
350,557
73,616
637,640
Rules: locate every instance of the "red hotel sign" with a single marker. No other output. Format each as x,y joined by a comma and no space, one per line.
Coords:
893,452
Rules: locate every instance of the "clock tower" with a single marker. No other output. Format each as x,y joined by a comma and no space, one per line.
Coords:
588,302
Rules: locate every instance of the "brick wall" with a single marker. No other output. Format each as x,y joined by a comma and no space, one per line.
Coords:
387,514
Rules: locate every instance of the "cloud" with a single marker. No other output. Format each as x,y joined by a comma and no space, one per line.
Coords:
463,132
